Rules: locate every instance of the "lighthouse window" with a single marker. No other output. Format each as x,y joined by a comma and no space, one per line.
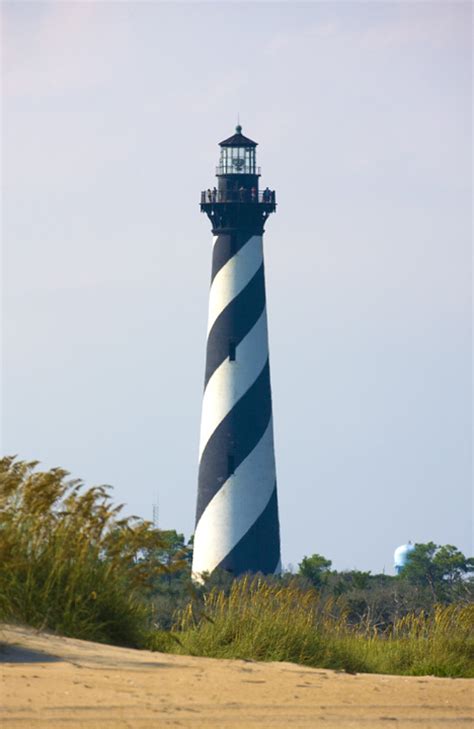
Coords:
232,351
249,161
230,465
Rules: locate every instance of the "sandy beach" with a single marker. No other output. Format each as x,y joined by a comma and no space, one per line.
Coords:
49,681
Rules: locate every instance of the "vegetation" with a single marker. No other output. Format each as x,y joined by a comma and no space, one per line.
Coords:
439,569
71,563
263,621
68,562
315,569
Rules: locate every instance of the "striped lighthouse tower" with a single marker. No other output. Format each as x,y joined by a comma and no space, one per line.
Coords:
237,525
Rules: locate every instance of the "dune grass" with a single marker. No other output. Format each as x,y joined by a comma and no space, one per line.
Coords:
261,621
68,562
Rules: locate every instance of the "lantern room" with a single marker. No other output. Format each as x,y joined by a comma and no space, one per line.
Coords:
237,155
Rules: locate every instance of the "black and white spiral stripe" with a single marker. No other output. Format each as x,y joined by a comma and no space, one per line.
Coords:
237,515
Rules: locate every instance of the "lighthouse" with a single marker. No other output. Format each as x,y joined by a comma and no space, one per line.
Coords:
237,527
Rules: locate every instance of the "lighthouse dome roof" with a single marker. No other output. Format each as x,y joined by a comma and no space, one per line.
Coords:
238,140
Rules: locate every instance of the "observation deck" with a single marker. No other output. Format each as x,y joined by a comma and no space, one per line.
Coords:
244,195
265,199
236,208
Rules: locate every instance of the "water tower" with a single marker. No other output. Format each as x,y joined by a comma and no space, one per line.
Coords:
401,556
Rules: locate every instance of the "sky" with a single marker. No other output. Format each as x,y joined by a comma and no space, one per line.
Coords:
111,117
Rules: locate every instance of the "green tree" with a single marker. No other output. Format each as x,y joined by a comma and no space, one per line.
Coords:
452,564
439,568
174,555
315,569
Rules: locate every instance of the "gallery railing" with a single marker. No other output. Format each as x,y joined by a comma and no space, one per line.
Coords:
237,196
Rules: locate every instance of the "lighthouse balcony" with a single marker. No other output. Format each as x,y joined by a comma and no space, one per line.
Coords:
211,197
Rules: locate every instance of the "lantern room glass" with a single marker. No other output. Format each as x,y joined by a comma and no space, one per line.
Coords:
237,161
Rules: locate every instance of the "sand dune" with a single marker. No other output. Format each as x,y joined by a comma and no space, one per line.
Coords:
49,681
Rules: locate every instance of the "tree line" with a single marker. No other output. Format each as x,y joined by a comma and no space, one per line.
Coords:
433,574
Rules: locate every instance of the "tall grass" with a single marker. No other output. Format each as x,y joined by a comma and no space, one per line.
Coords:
262,621
67,560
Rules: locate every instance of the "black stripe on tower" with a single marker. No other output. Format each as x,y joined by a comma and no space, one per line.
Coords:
259,548
238,433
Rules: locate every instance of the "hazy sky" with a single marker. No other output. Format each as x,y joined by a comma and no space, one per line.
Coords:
112,113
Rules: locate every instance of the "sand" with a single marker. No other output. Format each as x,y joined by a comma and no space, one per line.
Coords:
49,681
